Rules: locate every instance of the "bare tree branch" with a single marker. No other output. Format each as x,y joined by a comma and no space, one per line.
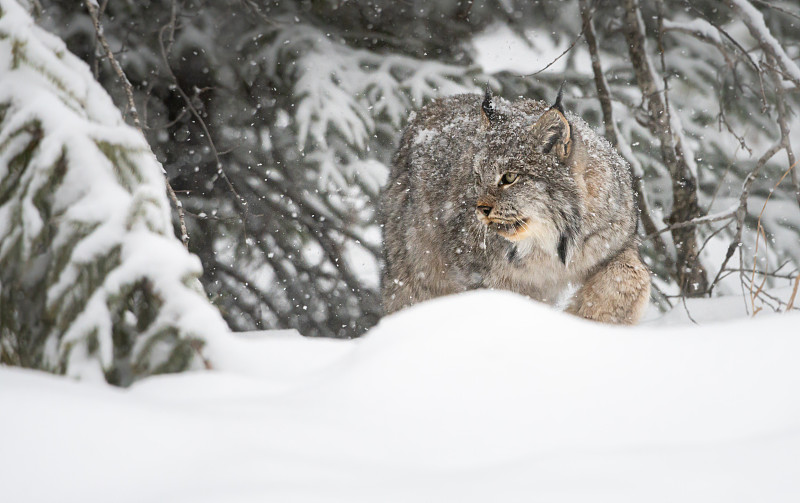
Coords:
741,210
126,84
690,272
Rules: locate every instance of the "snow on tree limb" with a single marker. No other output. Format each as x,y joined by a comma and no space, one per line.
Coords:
92,278
344,89
754,21
699,27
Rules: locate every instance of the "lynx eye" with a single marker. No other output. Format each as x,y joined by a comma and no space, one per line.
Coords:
508,178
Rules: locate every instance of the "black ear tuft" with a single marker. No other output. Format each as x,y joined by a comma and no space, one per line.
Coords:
489,111
557,105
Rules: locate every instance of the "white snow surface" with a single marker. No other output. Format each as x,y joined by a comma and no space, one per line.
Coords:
484,396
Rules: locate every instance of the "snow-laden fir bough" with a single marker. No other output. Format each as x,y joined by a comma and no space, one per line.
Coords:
485,193
93,281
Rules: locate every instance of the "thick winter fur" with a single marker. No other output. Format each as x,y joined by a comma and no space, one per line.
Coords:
485,193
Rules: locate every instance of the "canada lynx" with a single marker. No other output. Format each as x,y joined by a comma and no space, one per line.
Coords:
516,196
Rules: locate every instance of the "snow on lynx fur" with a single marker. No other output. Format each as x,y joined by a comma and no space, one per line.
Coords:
517,196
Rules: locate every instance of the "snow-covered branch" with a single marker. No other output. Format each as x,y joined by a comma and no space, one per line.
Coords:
93,280
754,21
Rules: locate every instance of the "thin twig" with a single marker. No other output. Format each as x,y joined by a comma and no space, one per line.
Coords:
778,8
711,236
708,219
686,308
718,187
765,40
569,48
98,28
126,84
188,102
255,9
767,298
736,44
760,232
741,212
603,92
760,288
774,275
784,128
794,293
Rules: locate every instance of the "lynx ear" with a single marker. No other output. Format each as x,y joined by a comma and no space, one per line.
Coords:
488,110
553,131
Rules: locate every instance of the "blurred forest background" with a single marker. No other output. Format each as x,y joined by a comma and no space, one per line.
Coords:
276,120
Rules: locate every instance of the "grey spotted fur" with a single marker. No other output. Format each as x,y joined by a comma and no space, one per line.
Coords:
453,223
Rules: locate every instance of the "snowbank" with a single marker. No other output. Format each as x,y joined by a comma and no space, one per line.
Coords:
485,396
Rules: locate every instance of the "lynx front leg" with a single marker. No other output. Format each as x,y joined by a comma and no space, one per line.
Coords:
616,293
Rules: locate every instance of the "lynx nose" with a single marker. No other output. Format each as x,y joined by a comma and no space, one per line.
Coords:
484,209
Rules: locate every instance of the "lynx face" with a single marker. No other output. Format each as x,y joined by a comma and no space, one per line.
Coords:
525,190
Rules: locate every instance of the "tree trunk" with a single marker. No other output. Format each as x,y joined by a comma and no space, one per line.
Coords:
690,273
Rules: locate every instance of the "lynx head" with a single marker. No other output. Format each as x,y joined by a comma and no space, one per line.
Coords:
526,192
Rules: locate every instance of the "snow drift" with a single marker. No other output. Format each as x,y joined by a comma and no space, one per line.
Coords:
484,396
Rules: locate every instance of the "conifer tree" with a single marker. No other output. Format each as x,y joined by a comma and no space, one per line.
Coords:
92,279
